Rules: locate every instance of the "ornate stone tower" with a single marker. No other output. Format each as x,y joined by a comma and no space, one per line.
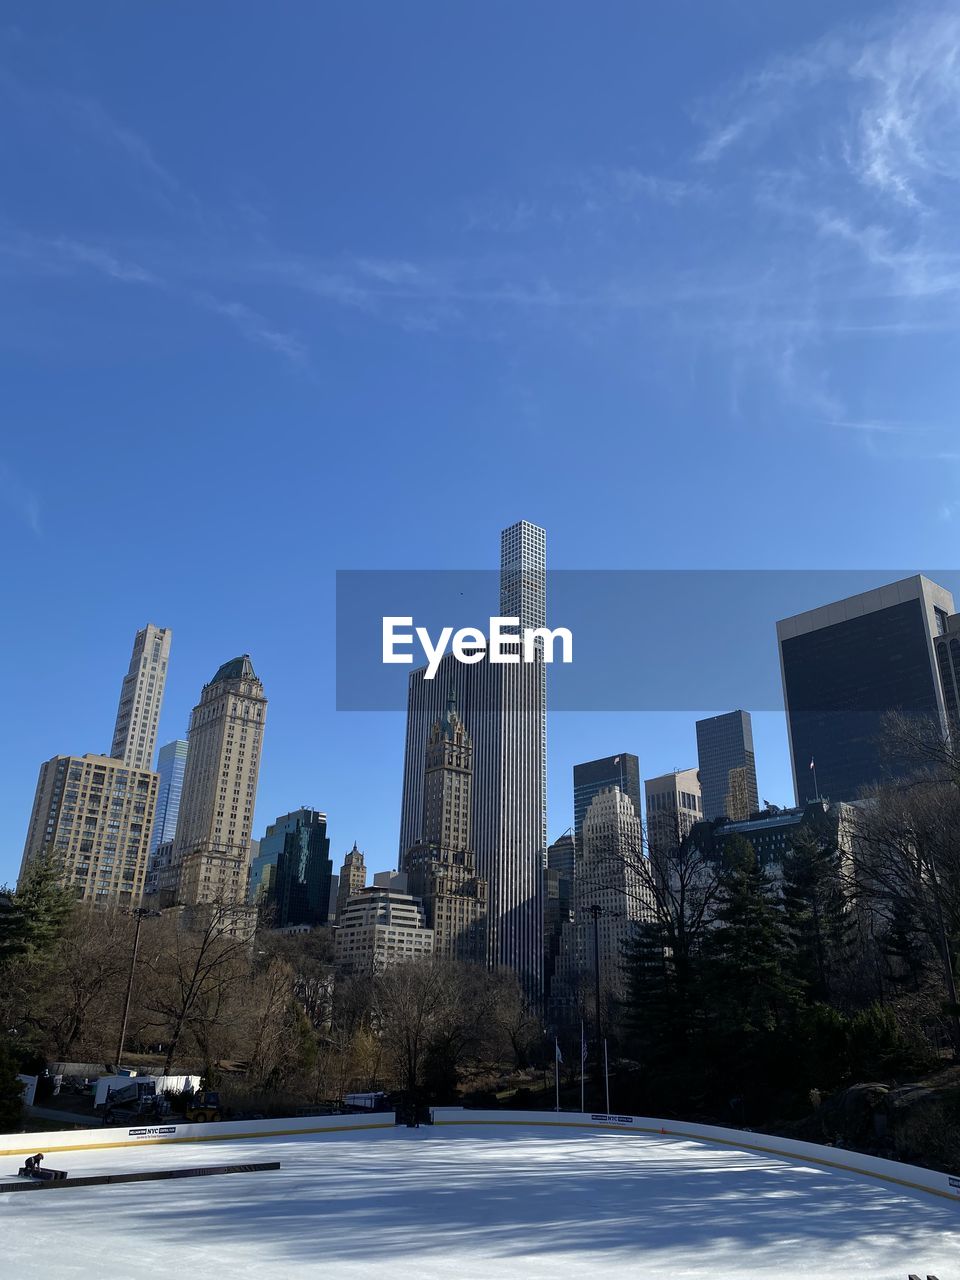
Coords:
211,855
353,877
441,866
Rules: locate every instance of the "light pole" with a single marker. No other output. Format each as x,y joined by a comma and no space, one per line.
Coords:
595,911
140,913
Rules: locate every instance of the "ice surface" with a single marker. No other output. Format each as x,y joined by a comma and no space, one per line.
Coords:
474,1204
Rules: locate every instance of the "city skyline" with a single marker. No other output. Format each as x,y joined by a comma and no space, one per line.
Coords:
673,733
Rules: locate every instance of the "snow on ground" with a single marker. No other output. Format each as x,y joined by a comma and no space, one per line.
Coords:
474,1203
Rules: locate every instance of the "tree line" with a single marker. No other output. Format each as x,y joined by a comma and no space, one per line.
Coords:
753,991
264,1019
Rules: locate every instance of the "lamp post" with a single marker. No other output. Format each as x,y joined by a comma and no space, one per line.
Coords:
140,913
596,911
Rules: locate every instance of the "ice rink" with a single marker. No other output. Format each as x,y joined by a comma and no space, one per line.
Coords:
471,1203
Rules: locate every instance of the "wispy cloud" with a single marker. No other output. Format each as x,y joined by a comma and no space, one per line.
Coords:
254,327
105,262
80,114
61,255
878,428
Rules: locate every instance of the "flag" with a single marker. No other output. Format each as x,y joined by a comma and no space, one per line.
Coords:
616,759
811,762
583,1046
556,1045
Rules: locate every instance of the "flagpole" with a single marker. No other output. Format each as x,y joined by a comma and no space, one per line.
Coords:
581,1067
606,1073
556,1070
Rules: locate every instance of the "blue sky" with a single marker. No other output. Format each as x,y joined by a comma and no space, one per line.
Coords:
297,288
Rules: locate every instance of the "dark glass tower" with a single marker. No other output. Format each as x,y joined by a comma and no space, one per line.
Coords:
300,891
845,667
594,776
728,771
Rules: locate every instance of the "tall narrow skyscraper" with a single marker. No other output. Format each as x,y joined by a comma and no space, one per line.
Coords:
441,868
728,770
845,666
503,707
171,762
141,696
211,854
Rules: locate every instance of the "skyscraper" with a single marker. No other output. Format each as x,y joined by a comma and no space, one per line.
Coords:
171,762
299,892
728,771
353,877
609,878
523,595
503,708
948,665
441,867
93,814
673,806
141,696
309,849
845,666
212,847
558,878
594,776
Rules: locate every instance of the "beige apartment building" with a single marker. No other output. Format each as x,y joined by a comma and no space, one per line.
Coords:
378,928
211,854
674,804
612,897
141,697
94,814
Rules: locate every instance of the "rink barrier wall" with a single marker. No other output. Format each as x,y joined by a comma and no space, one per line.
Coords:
905,1175
147,1135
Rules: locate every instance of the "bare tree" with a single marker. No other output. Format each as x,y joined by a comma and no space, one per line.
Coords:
193,971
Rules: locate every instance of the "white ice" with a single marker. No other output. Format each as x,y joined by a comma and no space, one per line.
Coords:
475,1203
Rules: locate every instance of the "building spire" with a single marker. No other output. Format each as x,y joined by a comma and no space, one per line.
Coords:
450,718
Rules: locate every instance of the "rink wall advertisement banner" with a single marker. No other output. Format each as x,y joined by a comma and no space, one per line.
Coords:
907,1175
12,1144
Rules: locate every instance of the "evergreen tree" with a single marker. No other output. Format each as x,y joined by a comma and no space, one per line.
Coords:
815,917
664,1004
32,918
751,988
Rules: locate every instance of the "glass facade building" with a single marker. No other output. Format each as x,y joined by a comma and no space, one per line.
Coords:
292,872
845,667
594,776
171,763
728,771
